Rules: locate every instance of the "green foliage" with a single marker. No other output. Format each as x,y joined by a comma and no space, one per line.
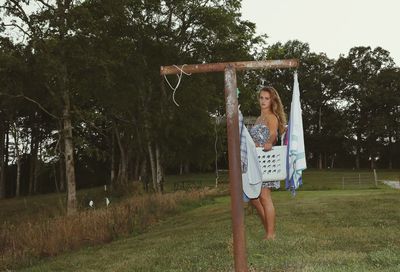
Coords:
365,103
107,56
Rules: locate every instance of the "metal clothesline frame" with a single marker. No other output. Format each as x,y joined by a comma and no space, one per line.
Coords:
235,177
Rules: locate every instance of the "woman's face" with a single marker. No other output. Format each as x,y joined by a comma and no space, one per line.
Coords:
265,100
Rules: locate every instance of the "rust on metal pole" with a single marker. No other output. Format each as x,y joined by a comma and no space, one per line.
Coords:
220,67
235,174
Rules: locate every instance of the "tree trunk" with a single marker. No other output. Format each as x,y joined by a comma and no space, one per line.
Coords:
319,133
143,169
320,161
32,169
153,167
372,162
357,161
33,159
56,184
35,179
390,150
358,150
69,156
123,160
144,176
112,166
333,160
137,169
181,168
18,181
2,164
159,170
122,171
15,134
6,150
187,167
61,181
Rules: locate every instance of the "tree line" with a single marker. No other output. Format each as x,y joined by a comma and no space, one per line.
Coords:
82,102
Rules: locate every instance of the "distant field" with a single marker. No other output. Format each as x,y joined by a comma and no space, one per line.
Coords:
52,205
312,179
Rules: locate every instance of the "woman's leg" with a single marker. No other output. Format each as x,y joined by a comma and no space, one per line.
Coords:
260,210
269,212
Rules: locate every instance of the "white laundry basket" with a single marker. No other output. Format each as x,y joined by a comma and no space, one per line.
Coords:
273,163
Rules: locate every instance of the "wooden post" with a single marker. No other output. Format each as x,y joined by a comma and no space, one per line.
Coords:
235,176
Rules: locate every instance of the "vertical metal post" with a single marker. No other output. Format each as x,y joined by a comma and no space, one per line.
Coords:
375,178
235,174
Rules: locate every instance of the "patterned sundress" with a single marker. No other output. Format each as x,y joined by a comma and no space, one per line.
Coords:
260,135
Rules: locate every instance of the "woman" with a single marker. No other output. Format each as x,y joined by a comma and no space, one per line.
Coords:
265,134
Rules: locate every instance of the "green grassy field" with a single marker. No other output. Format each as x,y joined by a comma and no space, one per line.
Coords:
319,230
313,179
316,231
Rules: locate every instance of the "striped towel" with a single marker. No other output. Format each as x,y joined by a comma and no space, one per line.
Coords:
243,145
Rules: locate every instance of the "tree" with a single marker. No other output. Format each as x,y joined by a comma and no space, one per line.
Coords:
11,80
357,73
385,122
126,55
47,29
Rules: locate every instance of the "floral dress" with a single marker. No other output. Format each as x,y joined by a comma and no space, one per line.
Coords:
260,134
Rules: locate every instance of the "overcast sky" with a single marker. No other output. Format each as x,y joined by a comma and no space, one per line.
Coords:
329,26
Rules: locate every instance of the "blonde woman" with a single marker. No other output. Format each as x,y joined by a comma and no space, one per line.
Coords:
272,120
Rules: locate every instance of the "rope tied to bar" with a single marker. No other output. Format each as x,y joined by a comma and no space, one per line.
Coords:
179,81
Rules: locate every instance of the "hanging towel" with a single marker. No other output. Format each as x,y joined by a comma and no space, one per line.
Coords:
243,144
296,159
252,177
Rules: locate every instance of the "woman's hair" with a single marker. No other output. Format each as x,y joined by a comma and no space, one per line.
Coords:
276,107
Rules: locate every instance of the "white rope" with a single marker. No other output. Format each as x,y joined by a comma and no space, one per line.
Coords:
178,83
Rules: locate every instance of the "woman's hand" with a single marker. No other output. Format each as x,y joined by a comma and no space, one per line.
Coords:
267,146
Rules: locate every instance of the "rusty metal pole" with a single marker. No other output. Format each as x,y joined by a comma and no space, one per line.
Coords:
235,174
220,67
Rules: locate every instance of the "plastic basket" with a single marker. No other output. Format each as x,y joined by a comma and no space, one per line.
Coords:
272,163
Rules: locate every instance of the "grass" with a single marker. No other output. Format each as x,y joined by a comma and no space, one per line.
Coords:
27,241
329,230
332,230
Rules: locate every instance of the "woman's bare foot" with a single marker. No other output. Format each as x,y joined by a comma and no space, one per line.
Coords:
269,237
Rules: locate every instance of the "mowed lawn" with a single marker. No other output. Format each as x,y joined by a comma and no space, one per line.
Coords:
333,230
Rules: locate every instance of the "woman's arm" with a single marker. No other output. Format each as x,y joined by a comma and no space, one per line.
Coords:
272,124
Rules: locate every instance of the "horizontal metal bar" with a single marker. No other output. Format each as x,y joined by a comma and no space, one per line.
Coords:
220,67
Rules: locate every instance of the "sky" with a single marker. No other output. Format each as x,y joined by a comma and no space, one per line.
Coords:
328,26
